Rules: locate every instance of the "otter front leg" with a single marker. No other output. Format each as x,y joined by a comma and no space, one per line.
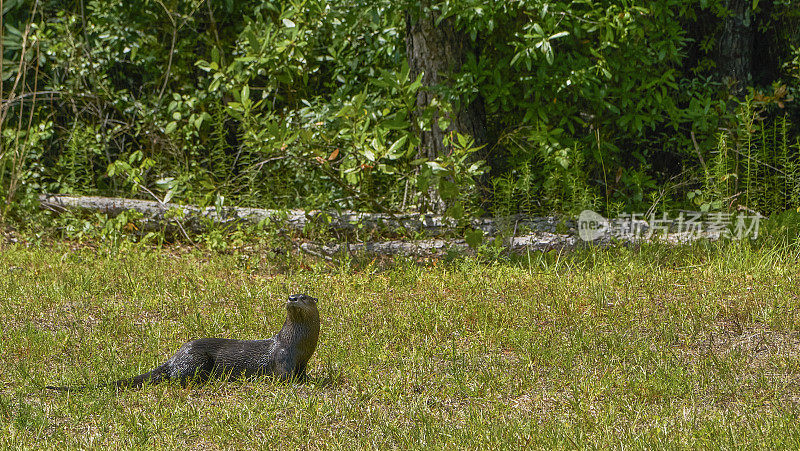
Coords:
286,366
300,372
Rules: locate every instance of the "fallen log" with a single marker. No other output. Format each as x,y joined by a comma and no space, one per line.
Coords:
520,233
542,241
158,215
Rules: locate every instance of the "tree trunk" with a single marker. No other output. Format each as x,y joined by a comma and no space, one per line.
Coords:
735,48
437,51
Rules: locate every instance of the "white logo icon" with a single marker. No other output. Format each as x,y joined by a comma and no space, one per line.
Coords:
591,225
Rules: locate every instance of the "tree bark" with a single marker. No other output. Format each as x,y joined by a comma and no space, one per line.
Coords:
735,48
437,51
439,247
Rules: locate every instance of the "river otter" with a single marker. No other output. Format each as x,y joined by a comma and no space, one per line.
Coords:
285,355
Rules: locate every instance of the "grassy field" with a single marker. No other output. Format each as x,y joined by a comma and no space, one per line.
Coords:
654,347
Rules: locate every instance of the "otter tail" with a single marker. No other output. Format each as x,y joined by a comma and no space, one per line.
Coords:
57,388
156,376
159,374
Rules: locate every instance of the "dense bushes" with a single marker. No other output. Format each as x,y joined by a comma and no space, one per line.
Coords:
613,104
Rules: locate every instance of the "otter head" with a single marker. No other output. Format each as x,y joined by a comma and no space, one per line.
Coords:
302,306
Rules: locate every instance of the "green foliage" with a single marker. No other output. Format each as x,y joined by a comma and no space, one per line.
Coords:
133,169
783,227
452,174
589,75
76,169
756,166
111,234
549,176
21,168
311,104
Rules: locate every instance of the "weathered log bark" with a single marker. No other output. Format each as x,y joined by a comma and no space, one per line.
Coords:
195,219
438,51
437,247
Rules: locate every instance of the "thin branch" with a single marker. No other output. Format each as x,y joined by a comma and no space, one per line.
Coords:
21,97
169,64
1,65
697,149
357,194
171,49
19,153
216,34
175,28
268,160
162,204
576,17
762,163
313,253
21,65
83,24
663,192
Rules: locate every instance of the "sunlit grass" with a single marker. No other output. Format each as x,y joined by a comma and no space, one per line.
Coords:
649,347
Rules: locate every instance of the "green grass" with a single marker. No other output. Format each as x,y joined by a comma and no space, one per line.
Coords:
644,348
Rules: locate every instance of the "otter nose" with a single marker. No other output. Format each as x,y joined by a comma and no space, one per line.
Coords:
295,297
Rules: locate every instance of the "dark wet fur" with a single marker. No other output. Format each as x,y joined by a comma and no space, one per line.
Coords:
284,356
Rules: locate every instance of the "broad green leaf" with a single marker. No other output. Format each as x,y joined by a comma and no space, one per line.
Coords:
456,211
396,149
447,189
397,123
474,238
168,196
435,166
463,140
